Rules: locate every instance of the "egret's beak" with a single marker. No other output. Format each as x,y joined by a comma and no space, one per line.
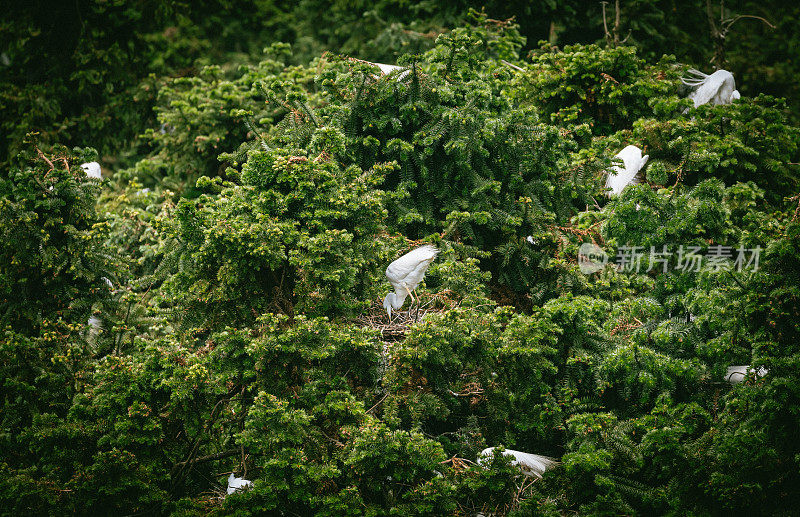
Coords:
389,311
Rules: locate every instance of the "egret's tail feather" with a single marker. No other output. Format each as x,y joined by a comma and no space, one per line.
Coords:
699,78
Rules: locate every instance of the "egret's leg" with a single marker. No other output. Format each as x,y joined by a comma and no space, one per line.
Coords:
412,301
409,293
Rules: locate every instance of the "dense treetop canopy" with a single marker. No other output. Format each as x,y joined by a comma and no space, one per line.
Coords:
212,305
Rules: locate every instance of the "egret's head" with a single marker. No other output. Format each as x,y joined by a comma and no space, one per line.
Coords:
735,96
387,304
92,170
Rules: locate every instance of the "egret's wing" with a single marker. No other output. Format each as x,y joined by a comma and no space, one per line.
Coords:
387,69
530,464
622,177
639,176
736,374
416,275
408,263
709,88
631,156
534,463
616,180
235,483
398,270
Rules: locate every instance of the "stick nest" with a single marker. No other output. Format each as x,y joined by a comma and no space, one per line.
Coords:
375,316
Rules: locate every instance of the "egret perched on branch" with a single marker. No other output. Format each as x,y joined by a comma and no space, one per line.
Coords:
405,274
235,483
387,69
532,465
717,88
620,178
737,374
92,170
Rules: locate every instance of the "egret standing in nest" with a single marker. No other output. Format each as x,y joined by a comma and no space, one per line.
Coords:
405,274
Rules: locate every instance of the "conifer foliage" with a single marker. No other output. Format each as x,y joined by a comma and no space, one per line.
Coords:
233,275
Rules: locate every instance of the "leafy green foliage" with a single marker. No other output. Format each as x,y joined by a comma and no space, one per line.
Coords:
608,89
297,235
52,256
236,271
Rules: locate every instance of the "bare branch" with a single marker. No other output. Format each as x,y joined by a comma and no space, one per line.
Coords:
605,24
710,15
512,65
731,21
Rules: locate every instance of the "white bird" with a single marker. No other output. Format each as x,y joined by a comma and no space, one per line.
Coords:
620,178
717,88
388,69
235,483
405,274
92,170
737,374
532,465
95,326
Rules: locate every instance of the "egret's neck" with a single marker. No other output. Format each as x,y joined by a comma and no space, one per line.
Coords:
395,299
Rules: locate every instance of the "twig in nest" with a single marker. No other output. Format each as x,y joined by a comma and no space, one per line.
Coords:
458,464
378,403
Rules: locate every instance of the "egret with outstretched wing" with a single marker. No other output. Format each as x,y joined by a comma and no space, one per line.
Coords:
532,465
235,483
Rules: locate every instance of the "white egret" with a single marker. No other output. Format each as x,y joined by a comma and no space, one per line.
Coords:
717,88
92,170
405,274
620,178
388,69
532,465
736,374
95,326
235,483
